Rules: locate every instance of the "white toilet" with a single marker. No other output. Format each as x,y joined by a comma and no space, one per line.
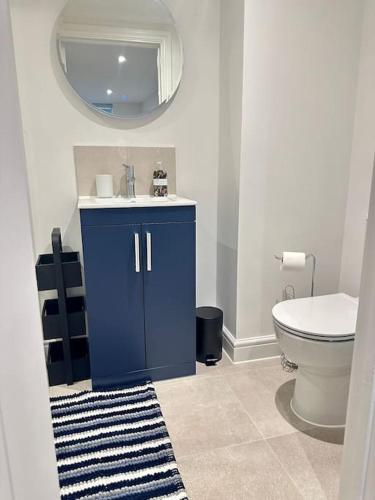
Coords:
317,334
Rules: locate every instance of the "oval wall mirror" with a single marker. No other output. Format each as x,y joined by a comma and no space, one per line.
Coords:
122,57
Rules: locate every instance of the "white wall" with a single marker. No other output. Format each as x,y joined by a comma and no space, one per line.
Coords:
27,455
300,67
231,66
287,137
362,158
52,125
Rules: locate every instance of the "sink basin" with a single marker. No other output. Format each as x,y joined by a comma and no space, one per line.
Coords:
139,201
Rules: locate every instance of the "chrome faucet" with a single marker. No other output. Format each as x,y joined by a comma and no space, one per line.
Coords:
130,180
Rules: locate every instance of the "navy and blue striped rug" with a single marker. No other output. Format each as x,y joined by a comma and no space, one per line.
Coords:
114,445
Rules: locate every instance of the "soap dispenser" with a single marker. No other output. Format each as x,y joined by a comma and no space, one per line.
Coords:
160,180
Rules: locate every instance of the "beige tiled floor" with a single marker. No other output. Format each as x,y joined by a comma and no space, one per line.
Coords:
235,437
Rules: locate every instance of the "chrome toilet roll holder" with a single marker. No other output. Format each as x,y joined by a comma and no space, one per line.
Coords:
313,258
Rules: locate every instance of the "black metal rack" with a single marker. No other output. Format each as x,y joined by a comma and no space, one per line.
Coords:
63,318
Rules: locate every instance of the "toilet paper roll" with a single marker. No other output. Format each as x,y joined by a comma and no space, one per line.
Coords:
104,186
293,261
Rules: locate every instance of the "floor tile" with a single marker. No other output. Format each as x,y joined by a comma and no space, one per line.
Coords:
249,365
217,421
203,414
313,464
181,395
213,426
62,390
203,370
207,371
266,394
83,385
244,472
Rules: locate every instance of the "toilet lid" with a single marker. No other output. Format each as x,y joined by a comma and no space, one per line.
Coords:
328,316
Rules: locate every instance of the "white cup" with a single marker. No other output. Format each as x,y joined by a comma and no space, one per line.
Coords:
104,186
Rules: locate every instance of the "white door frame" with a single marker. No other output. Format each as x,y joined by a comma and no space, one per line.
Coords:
27,456
28,468
152,37
358,466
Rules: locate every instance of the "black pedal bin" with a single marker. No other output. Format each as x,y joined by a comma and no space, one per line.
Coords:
209,335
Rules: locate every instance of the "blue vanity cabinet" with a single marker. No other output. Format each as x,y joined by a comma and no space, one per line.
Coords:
114,300
168,293
139,268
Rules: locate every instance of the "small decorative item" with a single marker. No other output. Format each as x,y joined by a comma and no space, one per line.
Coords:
160,181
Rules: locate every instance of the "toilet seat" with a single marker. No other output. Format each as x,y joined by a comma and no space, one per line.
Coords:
327,318
314,336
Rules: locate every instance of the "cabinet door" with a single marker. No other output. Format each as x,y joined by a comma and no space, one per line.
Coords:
114,289
169,293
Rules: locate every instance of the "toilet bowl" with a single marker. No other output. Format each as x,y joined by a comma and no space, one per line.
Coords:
317,334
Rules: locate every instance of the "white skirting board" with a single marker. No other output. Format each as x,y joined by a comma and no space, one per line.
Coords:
251,348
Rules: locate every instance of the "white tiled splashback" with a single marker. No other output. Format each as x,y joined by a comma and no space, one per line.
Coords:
93,160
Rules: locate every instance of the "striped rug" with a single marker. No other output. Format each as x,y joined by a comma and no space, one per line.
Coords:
114,445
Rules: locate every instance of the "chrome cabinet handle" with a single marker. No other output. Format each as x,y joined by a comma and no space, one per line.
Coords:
137,253
149,251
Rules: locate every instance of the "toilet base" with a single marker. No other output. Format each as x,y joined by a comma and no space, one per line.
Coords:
321,395
314,423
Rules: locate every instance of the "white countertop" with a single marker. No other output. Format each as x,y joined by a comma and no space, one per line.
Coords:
139,201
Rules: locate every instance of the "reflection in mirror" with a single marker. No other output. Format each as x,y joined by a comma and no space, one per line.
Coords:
122,57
